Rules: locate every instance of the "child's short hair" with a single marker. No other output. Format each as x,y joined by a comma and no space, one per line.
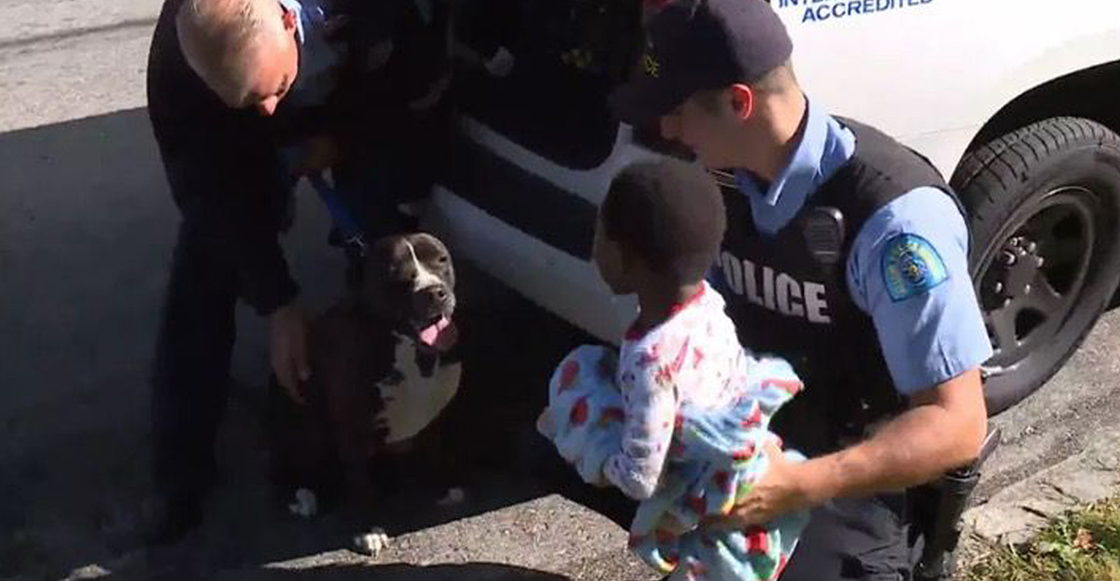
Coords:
670,214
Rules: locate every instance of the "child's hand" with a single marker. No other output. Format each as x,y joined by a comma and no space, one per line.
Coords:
545,425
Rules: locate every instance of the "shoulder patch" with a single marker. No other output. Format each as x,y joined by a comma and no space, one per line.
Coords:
911,267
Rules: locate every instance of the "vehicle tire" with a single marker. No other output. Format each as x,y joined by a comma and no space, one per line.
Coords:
1044,212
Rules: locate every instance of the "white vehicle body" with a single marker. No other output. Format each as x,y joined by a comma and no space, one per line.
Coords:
932,73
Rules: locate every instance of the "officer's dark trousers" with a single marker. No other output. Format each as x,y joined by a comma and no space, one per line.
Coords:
190,380
861,539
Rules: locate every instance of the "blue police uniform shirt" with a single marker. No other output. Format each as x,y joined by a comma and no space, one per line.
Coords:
908,266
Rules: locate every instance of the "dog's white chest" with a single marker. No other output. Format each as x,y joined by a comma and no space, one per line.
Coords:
412,399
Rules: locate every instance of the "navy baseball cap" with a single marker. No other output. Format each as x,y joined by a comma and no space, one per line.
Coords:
695,45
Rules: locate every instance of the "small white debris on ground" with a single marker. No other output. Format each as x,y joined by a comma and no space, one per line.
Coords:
454,496
306,504
372,542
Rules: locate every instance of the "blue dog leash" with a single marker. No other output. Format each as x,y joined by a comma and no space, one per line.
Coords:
340,215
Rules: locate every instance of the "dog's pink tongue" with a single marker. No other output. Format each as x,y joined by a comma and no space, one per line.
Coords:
441,336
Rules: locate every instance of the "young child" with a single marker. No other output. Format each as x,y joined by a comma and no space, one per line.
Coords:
678,418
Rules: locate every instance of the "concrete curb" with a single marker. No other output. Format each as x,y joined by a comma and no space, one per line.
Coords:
1017,512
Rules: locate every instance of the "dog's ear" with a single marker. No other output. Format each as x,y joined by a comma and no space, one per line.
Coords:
423,239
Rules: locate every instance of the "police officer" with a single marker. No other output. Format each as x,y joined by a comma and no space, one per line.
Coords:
847,253
244,96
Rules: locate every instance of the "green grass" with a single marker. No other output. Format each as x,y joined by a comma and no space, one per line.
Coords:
1084,545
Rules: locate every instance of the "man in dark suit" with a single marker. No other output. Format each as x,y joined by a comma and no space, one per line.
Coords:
244,96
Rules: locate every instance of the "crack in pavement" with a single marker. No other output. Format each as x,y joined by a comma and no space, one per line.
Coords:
1061,491
76,33
1034,511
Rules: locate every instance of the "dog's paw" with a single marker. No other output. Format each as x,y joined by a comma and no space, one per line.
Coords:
305,505
372,542
455,496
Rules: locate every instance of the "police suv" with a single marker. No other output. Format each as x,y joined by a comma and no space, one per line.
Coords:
1014,100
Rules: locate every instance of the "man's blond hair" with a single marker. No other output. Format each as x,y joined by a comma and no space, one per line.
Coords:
218,39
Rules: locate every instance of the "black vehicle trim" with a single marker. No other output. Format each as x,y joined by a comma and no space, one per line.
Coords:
535,206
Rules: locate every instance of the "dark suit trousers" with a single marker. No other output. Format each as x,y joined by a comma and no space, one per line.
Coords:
191,375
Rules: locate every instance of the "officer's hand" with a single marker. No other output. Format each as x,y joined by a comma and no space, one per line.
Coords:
289,349
779,492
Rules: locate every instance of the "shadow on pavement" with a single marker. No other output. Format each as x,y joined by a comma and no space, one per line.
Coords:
86,230
463,572
347,572
470,571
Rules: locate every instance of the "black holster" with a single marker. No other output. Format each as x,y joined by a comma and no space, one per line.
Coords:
936,510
